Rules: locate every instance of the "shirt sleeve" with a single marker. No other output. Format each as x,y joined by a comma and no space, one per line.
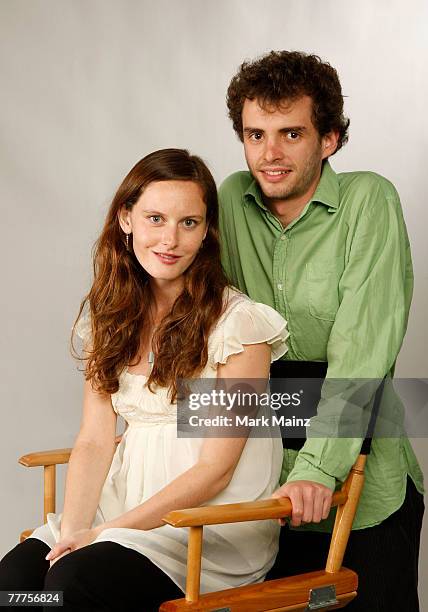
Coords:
83,328
228,243
248,322
374,294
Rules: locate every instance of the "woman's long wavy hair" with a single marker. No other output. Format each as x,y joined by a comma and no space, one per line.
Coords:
120,296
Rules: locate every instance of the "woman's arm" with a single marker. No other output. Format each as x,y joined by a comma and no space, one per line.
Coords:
89,462
217,462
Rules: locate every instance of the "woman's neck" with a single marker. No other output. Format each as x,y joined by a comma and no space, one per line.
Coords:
164,296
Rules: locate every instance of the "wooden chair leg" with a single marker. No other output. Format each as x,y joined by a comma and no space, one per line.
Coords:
49,491
49,496
345,516
194,557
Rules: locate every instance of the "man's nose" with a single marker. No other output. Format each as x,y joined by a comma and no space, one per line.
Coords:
170,236
273,151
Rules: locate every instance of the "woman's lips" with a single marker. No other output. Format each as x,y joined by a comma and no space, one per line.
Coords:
167,259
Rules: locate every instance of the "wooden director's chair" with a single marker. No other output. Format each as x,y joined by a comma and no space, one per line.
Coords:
328,589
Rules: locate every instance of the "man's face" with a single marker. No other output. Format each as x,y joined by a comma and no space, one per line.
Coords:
284,150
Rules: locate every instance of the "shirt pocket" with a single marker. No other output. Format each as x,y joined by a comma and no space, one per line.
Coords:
322,277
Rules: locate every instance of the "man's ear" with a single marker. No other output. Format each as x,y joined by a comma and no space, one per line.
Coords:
124,217
329,144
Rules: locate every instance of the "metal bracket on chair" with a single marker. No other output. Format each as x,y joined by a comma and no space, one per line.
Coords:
220,610
322,597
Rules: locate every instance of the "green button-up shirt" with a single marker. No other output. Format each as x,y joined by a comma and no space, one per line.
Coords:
341,274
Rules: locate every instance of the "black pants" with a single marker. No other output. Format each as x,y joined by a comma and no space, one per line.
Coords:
100,577
385,558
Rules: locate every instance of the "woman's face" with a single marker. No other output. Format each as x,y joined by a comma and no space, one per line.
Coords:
168,224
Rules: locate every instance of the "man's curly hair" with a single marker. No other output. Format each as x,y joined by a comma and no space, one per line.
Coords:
284,76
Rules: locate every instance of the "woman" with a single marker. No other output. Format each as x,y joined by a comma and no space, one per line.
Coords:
160,310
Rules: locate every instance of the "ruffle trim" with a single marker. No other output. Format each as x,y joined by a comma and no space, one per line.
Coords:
247,322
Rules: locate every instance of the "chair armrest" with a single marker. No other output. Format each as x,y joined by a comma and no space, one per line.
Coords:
50,457
236,513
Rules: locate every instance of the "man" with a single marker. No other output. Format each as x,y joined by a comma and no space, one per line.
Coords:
330,252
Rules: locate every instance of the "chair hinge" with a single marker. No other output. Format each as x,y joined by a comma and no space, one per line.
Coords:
322,597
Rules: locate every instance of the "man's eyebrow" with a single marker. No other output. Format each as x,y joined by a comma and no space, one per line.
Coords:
285,130
294,128
248,130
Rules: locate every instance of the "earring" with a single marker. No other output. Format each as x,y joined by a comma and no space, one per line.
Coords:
127,242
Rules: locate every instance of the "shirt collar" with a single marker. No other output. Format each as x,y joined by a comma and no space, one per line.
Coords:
326,193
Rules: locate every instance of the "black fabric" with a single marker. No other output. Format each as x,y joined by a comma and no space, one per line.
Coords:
385,558
24,567
289,371
286,368
104,576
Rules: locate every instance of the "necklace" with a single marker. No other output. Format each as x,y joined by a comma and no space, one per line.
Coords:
151,355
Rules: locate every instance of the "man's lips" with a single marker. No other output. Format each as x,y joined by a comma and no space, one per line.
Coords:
274,175
167,258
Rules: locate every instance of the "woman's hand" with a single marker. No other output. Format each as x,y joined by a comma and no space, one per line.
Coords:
68,544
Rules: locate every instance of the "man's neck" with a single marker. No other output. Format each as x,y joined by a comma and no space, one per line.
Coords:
284,210
289,209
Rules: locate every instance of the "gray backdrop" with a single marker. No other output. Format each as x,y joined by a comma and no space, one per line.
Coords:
89,87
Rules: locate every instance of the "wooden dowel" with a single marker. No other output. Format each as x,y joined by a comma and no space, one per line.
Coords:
345,516
49,490
194,554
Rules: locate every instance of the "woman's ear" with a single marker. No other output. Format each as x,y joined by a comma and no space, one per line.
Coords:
124,217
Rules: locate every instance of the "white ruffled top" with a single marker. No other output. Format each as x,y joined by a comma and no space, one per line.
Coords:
150,455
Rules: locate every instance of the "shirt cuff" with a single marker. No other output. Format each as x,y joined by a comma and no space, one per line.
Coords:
303,470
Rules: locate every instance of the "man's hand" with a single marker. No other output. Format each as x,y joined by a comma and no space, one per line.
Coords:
311,501
77,540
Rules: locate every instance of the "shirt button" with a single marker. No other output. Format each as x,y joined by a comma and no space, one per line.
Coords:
283,237
279,285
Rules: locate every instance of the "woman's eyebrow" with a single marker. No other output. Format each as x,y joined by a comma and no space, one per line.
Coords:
160,213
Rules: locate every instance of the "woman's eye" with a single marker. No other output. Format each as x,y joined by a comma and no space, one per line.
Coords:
155,219
189,222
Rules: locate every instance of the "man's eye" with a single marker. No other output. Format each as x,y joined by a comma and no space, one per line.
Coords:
256,136
292,135
155,219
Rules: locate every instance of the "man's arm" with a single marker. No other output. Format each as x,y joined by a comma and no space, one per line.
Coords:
374,292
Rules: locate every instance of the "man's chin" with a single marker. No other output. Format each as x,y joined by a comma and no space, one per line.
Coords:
272,192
